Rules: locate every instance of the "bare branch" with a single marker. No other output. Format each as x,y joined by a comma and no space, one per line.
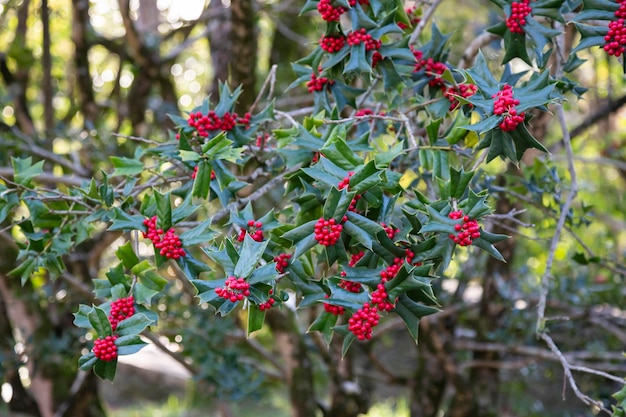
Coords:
568,374
474,46
425,18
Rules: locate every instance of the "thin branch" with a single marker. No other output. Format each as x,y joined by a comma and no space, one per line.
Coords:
46,177
422,24
174,355
547,275
567,369
601,114
270,81
474,46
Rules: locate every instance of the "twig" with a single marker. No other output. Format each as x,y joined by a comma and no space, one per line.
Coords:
174,355
567,369
474,46
547,275
270,81
47,177
422,24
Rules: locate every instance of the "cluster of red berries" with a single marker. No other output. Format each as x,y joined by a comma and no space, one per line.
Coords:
415,19
332,309
463,90
389,230
363,112
381,299
616,37
431,67
376,58
168,243
349,285
269,303
332,44
121,309
345,183
519,11
105,348
205,123
352,3
363,321
282,262
234,289
262,140
467,231
194,174
317,83
327,232
254,229
505,104
328,12
391,271
361,36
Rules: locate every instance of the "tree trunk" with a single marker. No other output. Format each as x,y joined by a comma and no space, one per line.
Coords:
244,51
289,339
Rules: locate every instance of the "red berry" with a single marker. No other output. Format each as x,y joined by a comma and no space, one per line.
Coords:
234,289
168,243
121,309
504,104
517,19
105,348
327,232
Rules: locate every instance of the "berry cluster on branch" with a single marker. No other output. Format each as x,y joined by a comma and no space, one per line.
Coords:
206,123
105,348
254,230
168,243
517,19
467,231
234,289
505,105
327,232
121,309
616,37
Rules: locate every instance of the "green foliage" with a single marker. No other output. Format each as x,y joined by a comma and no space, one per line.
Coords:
392,151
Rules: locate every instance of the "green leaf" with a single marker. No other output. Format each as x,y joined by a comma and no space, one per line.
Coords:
249,256
411,312
324,324
133,325
24,171
87,361
105,370
365,178
124,221
256,317
202,233
339,152
126,254
99,321
126,166
129,344
81,317
163,210
357,63
459,181
358,234
202,182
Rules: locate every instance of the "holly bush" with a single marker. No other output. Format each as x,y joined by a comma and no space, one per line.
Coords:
380,184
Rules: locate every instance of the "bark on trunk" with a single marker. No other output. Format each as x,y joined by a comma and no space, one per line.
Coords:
244,47
290,341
